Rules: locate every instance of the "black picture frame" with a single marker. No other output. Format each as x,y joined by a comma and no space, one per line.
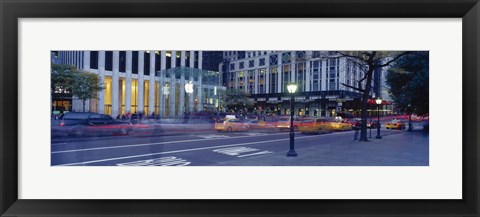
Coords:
12,10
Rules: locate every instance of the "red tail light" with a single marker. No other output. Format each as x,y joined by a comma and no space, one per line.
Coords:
62,124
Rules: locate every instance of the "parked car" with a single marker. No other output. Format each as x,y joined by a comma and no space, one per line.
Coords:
230,125
395,124
82,123
316,125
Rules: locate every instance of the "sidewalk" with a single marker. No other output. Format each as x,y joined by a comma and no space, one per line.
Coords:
399,149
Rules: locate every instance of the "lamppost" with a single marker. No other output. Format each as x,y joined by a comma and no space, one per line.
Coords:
292,88
379,102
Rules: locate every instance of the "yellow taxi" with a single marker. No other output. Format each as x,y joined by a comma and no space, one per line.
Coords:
395,124
231,125
315,125
341,125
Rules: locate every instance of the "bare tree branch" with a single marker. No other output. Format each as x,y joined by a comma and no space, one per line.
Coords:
355,88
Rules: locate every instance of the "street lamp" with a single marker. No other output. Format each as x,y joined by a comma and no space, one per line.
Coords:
292,88
378,101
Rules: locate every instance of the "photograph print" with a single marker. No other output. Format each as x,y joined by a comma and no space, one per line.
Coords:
239,108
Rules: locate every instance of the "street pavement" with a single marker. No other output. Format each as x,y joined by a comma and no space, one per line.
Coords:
204,147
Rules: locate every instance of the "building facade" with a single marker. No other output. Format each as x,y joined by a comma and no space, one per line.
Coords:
320,76
166,83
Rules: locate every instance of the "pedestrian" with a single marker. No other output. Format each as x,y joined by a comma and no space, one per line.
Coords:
355,135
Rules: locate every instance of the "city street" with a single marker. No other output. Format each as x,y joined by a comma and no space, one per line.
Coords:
252,148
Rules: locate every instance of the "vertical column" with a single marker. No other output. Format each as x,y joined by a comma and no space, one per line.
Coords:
191,96
173,59
200,82
255,81
343,70
128,82
293,70
115,84
101,74
86,60
140,92
182,58
323,73
267,75
163,66
279,74
151,85
192,59
181,91
308,82
173,87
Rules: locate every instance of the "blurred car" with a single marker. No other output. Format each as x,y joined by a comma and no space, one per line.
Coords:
82,123
284,123
341,125
395,124
259,124
230,125
316,125
357,123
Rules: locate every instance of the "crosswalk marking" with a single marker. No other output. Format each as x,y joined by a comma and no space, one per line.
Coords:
163,161
238,151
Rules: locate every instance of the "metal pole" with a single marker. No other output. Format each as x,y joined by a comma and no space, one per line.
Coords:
291,152
378,123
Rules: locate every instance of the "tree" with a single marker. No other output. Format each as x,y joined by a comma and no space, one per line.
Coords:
81,84
408,81
368,61
236,98
86,86
62,78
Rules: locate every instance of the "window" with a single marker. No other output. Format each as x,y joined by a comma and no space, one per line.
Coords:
177,58
251,63
273,60
242,65
232,66
135,62
157,61
286,57
262,61
108,60
94,59
122,60
146,63
168,64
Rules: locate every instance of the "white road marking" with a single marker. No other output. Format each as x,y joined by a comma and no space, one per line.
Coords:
148,144
235,150
163,161
257,153
170,152
212,136
193,149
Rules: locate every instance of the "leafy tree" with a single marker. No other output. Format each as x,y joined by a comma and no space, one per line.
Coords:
368,61
408,81
62,77
86,86
81,84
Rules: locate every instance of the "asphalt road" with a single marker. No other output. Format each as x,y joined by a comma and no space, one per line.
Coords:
205,148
